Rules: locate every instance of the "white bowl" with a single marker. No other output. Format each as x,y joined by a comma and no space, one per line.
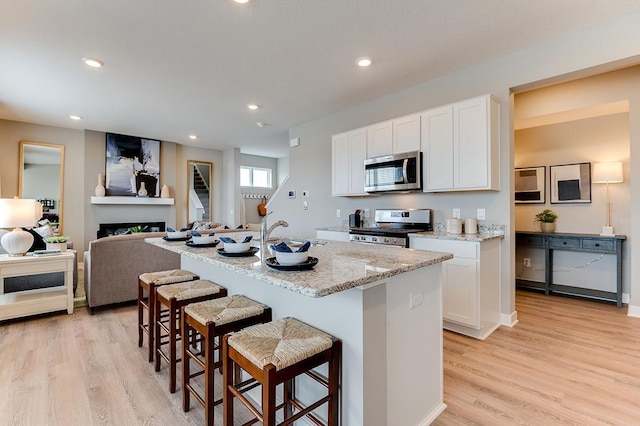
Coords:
176,235
203,239
237,247
287,259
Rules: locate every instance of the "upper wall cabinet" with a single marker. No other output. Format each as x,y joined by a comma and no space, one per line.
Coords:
394,136
460,144
349,150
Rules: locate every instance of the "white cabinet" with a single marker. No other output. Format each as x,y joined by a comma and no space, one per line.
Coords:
394,136
349,150
460,144
470,284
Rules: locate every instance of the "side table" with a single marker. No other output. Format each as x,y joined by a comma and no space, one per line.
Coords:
32,302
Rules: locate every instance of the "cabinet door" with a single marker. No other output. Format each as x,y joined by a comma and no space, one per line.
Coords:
471,144
406,134
379,139
437,149
460,291
357,155
340,164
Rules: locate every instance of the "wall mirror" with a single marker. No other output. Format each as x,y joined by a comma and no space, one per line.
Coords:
199,190
41,177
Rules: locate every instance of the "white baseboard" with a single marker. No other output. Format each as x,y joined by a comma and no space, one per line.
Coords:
634,311
509,320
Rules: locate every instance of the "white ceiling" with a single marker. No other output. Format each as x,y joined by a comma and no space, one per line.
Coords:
177,67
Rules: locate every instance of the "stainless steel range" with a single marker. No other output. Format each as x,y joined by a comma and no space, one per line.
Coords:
393,227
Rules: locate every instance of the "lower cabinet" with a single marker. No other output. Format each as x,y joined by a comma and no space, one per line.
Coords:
322,234
470,284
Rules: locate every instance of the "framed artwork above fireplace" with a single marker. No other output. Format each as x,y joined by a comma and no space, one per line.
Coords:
130,162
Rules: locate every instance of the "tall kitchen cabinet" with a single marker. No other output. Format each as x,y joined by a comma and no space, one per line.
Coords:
470,284
348,150
461,146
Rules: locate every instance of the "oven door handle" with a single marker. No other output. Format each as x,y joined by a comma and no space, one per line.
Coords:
405,165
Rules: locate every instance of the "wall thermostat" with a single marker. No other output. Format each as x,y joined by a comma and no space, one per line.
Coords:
292,194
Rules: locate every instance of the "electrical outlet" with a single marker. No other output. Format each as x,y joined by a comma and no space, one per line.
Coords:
337,212
527,262
415,300
366,213
456,213
481,214
305,205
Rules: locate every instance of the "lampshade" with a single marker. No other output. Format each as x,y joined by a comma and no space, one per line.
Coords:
610,172
16,213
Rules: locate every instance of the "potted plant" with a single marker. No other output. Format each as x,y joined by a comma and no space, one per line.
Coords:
547,219
138,228
54,243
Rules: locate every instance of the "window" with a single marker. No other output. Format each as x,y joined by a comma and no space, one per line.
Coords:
255,176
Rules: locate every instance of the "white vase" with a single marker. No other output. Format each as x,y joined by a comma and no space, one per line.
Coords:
100,191
164,192
548,227
143,190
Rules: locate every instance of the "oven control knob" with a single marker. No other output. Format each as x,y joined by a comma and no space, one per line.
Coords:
355,238
374,239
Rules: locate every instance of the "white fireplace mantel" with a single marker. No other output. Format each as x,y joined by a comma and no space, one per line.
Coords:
133,201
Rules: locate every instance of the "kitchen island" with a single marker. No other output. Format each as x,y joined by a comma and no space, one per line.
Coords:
385,304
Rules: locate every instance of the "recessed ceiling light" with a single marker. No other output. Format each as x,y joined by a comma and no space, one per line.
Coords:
193,137
75,117
241,1
363,62
261,124
253,107
93,62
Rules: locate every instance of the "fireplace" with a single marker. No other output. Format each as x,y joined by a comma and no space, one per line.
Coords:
109,229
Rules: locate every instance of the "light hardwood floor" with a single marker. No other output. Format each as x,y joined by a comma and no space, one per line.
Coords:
566,362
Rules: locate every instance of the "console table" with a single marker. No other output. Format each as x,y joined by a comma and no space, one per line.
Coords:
591,243
31,302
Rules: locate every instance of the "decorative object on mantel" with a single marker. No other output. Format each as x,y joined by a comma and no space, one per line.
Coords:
56,243
16,213
610,172
164,192
100,191
142,192
547,219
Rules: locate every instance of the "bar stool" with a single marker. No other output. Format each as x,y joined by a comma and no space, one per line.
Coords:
212,319
275,353
174,297
149,281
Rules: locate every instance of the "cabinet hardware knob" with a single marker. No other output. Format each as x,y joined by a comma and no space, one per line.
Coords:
597,244
564,242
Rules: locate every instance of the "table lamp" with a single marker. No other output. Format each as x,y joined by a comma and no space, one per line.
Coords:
610,172
16,213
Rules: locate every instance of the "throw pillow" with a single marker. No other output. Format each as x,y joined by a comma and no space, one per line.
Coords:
38,242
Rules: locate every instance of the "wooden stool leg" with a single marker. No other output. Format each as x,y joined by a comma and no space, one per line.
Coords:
157,334
173,337
269,397
227,375
334,384
186,373
287,396
151,319
140,315
209,359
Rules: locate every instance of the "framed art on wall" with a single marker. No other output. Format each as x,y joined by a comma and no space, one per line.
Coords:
570,183
132,163
530,185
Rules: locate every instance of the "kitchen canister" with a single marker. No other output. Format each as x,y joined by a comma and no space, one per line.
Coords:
454,225
471,226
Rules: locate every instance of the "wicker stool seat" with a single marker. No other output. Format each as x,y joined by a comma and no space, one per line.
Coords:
275,353
212,319
148,282
175,297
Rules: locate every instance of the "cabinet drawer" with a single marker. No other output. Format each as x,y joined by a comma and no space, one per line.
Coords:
464,249
597,244
530,240
560,242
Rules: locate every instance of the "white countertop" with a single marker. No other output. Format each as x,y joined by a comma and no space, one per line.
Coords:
341,265
479,237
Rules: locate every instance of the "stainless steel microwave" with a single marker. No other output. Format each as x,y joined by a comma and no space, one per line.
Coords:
397,172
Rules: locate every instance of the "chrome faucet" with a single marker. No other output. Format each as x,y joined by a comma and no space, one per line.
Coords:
266,232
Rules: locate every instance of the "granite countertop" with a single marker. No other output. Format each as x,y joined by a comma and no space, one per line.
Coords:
341,265
479,237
